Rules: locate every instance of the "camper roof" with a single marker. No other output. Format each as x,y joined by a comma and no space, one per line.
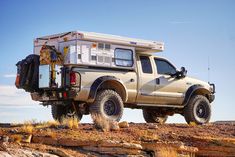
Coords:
139,44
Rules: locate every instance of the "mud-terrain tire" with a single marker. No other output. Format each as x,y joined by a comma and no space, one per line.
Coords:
59,112
108,105
153,117
198,110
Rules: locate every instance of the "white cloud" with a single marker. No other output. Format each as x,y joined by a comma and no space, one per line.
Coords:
9,75
5,114
10,95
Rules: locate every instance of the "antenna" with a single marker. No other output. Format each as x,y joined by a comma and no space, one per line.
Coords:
208,68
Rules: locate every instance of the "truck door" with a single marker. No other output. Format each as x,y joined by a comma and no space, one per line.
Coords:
147,80
169,90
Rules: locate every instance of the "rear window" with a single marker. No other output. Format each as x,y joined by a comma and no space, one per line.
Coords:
146,64
123,57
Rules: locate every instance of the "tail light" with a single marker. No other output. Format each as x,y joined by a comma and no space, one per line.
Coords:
17,81
73,78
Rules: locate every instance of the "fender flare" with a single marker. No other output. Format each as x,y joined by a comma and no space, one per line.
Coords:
193,89
99,81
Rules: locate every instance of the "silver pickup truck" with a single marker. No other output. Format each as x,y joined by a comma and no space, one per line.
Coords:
81,73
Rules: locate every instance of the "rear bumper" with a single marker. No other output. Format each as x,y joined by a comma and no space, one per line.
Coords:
54,95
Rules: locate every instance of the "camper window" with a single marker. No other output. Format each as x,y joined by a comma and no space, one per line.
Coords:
103,46
123,57
100,46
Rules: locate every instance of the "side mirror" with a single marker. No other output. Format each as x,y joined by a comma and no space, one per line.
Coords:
183,72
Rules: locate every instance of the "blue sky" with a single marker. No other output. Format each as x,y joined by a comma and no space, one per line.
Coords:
191,30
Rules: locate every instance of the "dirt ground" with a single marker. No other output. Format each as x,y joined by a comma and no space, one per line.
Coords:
137,139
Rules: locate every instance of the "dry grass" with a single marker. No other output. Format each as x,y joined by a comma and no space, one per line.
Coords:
16,138
48,124
51,134
53,124
71,122
27,128
167,152
192,124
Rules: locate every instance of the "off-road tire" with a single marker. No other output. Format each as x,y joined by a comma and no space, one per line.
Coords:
59,112
108,105
198,110
153,117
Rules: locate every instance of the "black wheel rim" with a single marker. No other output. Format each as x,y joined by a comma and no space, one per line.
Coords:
201,110
110,108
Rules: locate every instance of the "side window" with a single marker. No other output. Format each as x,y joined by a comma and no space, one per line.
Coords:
164,67
123,57
104,46
146,64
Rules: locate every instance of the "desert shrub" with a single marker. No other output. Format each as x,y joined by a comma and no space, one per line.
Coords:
28,128
70,122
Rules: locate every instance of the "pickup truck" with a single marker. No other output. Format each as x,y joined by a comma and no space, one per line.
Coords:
132,76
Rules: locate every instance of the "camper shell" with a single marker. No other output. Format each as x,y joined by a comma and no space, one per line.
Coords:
96,49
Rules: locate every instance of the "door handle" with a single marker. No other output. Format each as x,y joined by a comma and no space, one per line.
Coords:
157,81
132,80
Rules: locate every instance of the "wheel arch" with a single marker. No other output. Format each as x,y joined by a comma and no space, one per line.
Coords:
108,82
196,90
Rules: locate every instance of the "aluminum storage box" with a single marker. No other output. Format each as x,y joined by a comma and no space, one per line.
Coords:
45,76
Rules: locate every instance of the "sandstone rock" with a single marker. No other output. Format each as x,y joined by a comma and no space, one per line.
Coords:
113,150
24,153
132,145
27,138
124,124
113,125
44,140
152,126
5,139
4,154
14,131
59,152
112,143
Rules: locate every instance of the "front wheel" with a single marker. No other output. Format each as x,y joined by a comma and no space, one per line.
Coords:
108,105
198,110
151,116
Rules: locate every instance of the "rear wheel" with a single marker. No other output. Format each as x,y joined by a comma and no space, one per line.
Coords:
69,111
198,110
151,116
108,104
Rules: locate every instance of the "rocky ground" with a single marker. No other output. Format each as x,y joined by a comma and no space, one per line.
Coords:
123,139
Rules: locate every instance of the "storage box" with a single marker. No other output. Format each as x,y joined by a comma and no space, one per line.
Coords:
45,76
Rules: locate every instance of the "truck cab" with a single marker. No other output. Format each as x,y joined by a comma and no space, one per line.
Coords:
81,73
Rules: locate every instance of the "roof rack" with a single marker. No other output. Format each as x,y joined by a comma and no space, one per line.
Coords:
139,44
